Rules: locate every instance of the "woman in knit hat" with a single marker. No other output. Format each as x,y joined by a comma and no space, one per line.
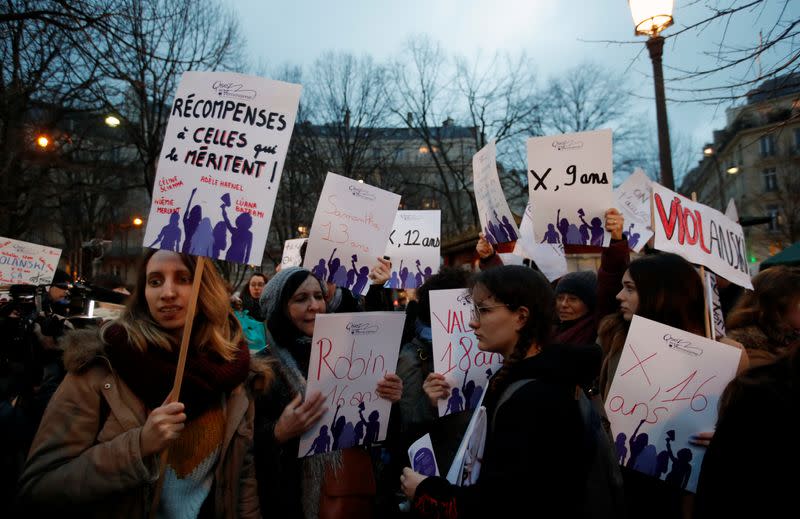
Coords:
292,487
98,448
575,301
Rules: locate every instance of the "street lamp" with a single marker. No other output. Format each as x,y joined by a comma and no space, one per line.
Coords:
650,17
112,121
43,141
137,221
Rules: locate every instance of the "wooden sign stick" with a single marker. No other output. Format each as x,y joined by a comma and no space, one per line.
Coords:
706,317
176,386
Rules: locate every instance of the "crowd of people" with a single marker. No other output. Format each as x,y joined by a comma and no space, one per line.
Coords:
108,436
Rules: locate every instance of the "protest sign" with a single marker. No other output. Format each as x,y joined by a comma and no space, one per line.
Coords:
569,181
291,252
422,457
497,221
23,263
350,231
700,234
549,257
633,201
414,245
220,166
731,211
455,351
350,353
666,389
466,466
714,306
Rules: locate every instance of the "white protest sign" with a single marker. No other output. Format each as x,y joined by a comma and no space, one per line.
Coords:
422,457
731,211
714,306
23,263
466,466
291,252
633,201
414,245
455,351
497,221
569,182
350,353
666,389
350,231
700,234
549,257
220,166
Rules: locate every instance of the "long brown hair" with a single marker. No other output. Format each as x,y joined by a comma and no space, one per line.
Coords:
775,291
215,326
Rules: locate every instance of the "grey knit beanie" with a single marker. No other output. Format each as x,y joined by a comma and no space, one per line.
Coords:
271,296
580,284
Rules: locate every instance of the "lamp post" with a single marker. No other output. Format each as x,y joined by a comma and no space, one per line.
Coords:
650,18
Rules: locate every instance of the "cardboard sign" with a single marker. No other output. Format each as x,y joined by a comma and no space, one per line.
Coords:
220,166
350,353
422,457
291,252
569,181
700,234
666,389
497,221
23,263
455,351
350,231
549,257
633,201
414,246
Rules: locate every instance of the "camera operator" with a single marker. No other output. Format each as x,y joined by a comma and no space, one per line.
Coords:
31,368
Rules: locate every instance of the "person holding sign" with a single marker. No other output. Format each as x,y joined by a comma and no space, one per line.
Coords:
339,482
535,456
99,443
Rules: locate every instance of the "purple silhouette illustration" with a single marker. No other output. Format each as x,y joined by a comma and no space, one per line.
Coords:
369,429
342,430
191,219
512,234
241,237
662,463
646,461
620,448
632,237
322,443
319,271
394,281
220,238
170,235
570,234
468,390
500,232
637,444
551,236
491,235
407,279
340,278
455,404
681,464
362,277
420,277
333,266
584,229
597,232
203,239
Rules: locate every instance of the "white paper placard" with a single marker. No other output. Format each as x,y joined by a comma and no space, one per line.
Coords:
466,466
667,385
714,306
350,232
414,246
569,181
350,353
731,211
423,459
455,351
633,201
291,252
700,234
497,221
24,263
549,257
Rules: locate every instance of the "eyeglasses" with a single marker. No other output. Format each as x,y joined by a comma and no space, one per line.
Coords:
479,311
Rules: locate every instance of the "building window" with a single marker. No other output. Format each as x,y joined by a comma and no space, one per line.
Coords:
773,212
770,180
767,145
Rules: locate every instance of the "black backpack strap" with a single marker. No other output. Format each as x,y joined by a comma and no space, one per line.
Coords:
508,392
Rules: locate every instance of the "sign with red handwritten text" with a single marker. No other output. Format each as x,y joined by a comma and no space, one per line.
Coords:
220,166
666,388
291,252
23,263
569,183
414,245
455,351
700,234
633,201
350,231
350,353
549,257
497,222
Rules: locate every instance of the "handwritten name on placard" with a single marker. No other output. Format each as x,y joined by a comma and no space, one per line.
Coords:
455,351
700,234
223,154
350,353
497,221
23,263
666,388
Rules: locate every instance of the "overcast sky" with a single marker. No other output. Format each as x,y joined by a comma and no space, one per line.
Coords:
556,34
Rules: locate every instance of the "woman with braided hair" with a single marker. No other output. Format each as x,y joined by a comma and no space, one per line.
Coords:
534,457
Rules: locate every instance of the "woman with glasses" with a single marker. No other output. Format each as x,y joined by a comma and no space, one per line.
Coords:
535,456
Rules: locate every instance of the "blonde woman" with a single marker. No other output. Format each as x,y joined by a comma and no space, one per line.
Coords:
98,447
